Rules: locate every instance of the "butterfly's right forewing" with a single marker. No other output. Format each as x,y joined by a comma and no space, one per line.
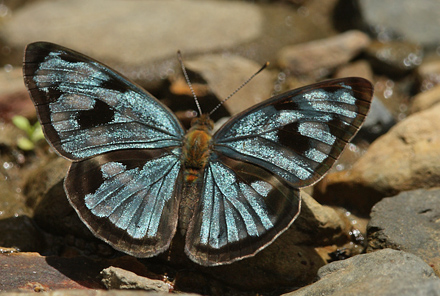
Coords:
300,134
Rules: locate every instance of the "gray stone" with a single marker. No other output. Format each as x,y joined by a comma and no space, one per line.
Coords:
383,273
378,121
134,32
409,222
414,20
118,278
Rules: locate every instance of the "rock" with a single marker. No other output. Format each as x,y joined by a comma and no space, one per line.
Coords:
11,80
293,258
429,73
224,74
43,178
395,94
117,278
378,121
319,225
16,103
30,271
425,100
405,158
139,39
409,19
21,233
359,68
12,203
93,292
8,138
385,273
395,58
150,21
409,222
319,57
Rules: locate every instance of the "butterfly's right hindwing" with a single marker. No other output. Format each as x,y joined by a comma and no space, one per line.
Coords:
87,109
242,209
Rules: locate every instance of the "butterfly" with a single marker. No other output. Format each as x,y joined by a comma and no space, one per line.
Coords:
137,177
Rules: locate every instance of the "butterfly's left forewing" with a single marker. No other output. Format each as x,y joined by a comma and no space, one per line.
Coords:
262,156
86,108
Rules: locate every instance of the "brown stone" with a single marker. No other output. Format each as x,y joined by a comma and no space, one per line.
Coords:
425,100
323,55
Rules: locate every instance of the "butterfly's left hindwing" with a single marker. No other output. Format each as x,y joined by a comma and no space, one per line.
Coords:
87,109
128,198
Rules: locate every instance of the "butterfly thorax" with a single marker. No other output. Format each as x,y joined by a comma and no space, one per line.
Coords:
196,150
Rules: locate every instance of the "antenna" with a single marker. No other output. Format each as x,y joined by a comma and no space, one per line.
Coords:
179,56
240,87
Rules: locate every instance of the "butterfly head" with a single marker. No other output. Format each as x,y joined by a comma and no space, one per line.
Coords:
203,122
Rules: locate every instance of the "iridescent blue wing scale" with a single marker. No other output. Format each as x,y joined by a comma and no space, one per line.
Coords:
124,144
86,109
128,198
262,156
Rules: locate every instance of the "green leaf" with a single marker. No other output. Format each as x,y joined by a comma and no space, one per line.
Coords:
25,144
22,123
